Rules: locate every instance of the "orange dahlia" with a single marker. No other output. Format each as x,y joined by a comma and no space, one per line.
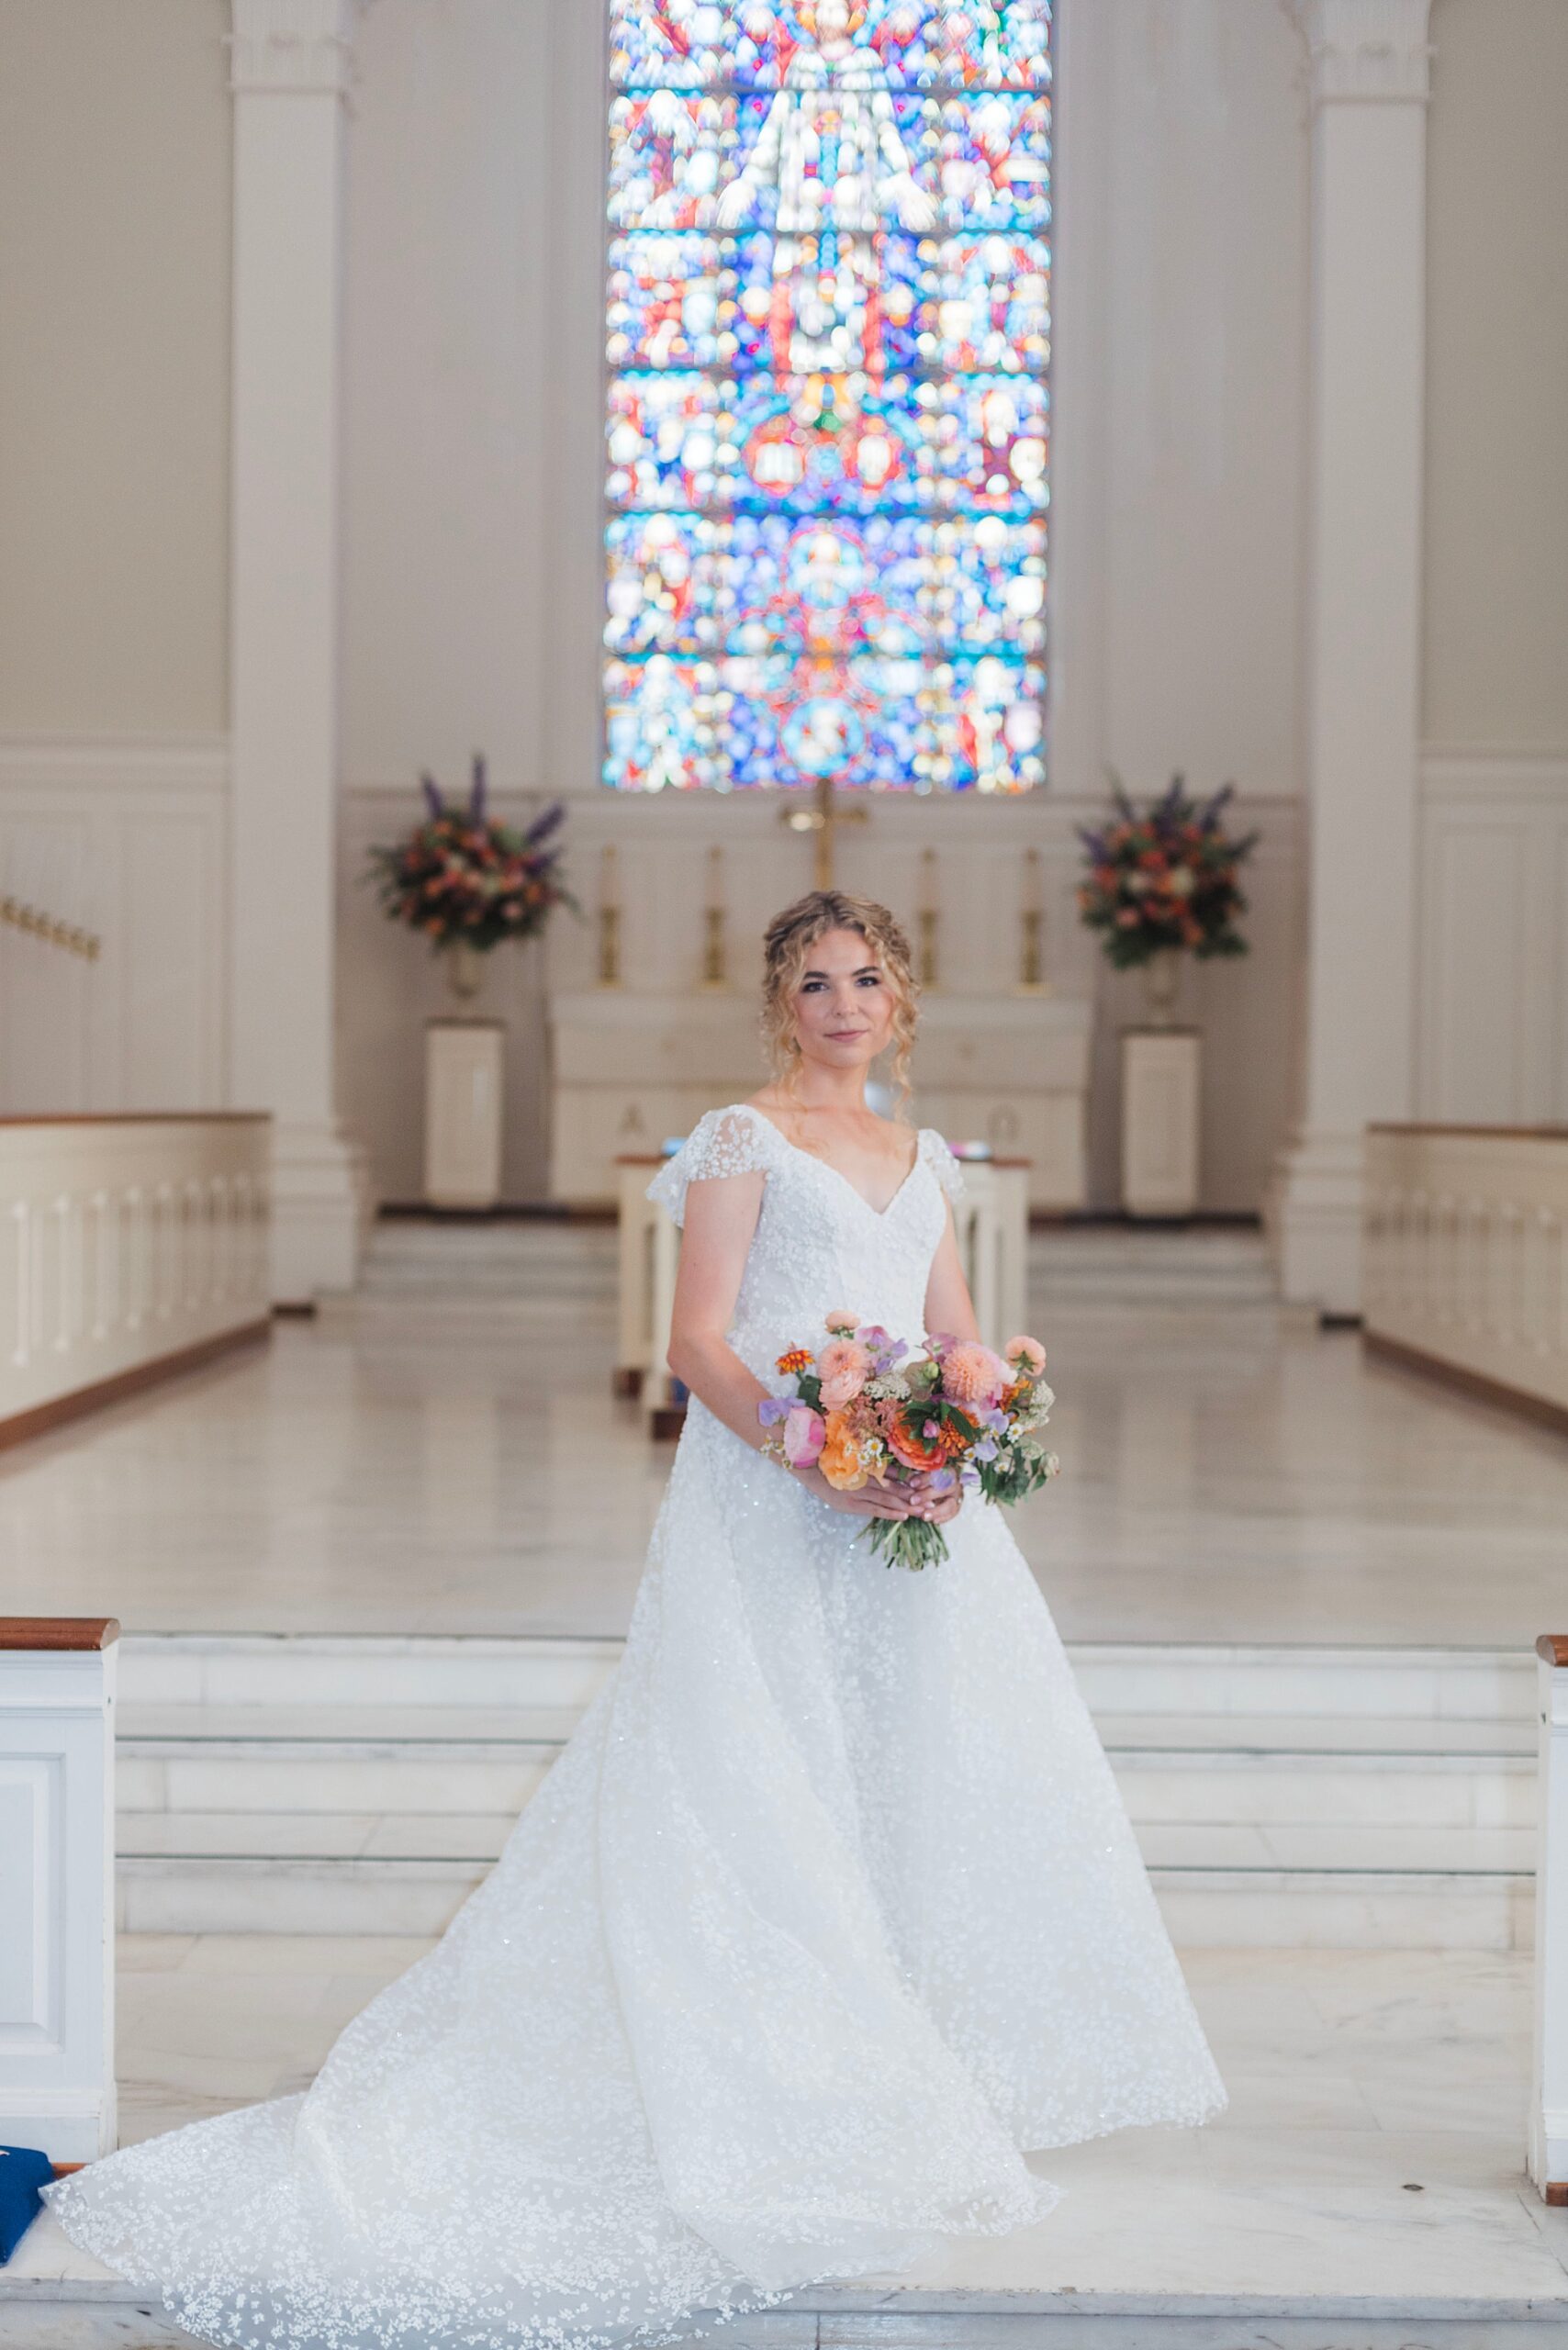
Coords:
915,1451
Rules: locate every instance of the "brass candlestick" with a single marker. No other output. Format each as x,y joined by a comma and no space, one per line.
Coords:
927,920
609,923
1032,979
713,951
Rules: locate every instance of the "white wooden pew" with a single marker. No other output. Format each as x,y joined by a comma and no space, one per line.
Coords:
57,1916
1549,2091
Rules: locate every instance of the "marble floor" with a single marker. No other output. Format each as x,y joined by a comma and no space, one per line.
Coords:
415,1463
1371,2146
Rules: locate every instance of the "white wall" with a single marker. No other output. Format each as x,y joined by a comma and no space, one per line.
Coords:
473,515
115,126
1497,515
114,356
1493,1041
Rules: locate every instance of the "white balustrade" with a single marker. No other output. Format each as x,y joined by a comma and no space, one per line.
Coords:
1465,1255
993,1225
126,1243
57,2057
1548,2092
650,1252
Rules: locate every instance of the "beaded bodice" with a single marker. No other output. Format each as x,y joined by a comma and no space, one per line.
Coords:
819,1244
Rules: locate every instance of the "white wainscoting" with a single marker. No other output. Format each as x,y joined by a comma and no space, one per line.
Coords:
1492,1042
124,1241
127,838
1465,1253
57,2059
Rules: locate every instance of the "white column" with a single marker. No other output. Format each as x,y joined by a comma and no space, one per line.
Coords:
290,62
1369,74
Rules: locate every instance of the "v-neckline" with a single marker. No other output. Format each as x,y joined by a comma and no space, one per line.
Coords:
854,1189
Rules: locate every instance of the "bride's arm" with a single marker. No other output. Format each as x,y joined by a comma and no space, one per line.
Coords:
949,1307
721,1218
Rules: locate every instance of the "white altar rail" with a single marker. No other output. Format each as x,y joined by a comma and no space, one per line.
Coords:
129,1246
991,1221
650,1252
1549,2098
57,2050
1465,1257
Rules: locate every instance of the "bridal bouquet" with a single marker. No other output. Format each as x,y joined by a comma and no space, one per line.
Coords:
865,1406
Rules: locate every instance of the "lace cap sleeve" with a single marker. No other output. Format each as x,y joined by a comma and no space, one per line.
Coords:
723,1142
942,1163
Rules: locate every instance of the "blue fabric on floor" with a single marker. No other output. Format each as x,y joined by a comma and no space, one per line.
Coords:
22,2170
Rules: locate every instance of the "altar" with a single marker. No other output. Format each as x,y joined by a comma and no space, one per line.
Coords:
629,1069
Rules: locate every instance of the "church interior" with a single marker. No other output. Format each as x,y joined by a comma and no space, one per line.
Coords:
405,422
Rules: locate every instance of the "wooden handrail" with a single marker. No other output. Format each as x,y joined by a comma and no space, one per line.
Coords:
1552,1648
59,1633
54,933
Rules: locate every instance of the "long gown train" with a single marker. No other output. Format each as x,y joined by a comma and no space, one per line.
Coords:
829,1910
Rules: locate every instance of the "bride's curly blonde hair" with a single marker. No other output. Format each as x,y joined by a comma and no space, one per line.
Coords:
787,944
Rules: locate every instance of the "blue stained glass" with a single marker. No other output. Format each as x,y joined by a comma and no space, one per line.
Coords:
828,330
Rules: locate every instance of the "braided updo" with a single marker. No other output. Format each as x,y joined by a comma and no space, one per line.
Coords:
787,944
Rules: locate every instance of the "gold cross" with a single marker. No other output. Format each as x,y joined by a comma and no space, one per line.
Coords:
824,820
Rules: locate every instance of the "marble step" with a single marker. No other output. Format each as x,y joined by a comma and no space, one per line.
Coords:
1118,1264
54,2298
1219,1887
518,1260
1138,1679
443,1760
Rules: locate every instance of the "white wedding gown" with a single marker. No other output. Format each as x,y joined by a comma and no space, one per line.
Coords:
829,1909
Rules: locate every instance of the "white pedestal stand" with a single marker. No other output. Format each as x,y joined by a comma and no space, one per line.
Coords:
462,1112
1161,1083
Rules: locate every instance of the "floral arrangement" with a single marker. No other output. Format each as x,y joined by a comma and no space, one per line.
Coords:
865,1407
465,879
1164,877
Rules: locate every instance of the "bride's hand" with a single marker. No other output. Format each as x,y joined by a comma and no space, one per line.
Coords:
873,1500
939,1508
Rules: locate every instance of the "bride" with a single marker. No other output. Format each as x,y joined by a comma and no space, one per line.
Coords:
828,1912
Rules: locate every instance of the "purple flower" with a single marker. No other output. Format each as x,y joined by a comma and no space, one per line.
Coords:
774,1408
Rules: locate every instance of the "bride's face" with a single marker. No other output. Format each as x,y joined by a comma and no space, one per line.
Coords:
843,1006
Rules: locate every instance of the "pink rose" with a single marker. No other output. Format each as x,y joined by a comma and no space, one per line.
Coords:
804,1435
1026,1355
972,1374
841,1324
845,1366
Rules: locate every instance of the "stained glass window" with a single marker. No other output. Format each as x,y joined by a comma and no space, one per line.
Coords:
829,341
